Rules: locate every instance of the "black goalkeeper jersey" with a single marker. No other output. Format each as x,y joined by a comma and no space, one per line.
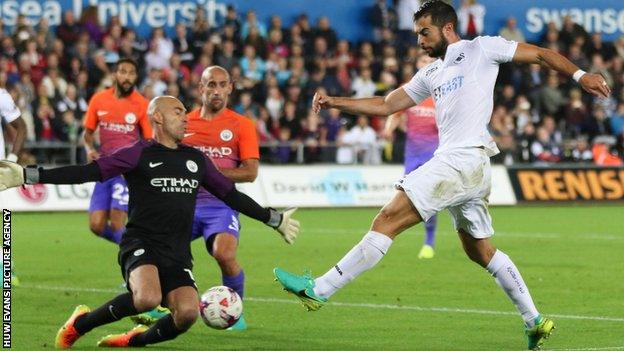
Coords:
163,185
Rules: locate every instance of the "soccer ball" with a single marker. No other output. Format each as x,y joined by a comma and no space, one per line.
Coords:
220,307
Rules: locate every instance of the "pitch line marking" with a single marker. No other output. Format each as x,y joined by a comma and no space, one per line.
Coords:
357,305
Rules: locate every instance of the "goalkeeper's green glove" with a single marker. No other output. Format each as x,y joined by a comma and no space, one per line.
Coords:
12,175
283,222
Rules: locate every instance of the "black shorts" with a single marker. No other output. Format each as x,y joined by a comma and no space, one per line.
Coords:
134,253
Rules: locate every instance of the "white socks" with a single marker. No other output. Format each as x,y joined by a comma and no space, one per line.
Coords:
508,277
361,258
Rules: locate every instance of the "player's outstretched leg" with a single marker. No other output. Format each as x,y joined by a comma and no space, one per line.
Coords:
539,332
301,286
67,335
396,216
122,340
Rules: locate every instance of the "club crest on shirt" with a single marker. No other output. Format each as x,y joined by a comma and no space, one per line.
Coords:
226,135
191,165
459,58
130,118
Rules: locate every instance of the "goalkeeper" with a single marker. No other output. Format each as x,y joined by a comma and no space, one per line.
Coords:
155,255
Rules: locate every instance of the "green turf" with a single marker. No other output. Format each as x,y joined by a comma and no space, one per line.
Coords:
570,257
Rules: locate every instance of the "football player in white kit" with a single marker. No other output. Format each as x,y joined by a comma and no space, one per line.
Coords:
10,113
458,177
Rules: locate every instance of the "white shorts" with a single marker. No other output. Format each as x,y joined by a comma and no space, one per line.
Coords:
459,180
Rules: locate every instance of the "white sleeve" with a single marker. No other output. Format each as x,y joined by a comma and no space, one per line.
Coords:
498,49
416,88
8,110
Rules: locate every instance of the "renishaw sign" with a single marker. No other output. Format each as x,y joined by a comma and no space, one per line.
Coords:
568,184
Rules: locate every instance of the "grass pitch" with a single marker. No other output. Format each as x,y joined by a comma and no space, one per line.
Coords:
570,257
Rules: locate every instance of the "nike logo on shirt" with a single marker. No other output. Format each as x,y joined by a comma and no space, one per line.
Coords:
186,135
102,113
155,164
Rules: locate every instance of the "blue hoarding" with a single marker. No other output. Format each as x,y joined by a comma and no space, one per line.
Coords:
604,16
348,17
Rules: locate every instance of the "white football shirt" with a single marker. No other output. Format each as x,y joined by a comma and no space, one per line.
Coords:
9,112
462,86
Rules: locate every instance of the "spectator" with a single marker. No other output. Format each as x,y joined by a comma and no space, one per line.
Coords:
274,103
275,23
55,85
310,137
70,101
571,31
380,17
283,153
154,59
617,120
363,142
68,30
155,82
543,149
597,46
550,97
276,43
405,10
363,85
225,58
252,22
89,21
290,120
181,44
575,113
325,31
470,18
581,151
525,141
511,31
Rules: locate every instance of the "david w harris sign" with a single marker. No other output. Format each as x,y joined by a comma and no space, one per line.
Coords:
568,184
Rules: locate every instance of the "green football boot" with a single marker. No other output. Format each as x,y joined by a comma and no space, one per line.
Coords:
539,333
301,286
150,317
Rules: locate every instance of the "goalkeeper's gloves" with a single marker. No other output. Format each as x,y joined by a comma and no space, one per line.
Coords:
12,175
283,222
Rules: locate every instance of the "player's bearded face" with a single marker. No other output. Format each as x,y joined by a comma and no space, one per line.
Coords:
430,37
125,78
438,49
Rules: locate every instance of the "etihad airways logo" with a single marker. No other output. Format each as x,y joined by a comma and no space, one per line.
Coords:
175,185
215,152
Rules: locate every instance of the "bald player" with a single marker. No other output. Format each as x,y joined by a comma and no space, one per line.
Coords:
164,178
231,142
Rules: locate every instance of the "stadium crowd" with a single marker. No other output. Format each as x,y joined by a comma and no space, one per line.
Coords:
538,116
